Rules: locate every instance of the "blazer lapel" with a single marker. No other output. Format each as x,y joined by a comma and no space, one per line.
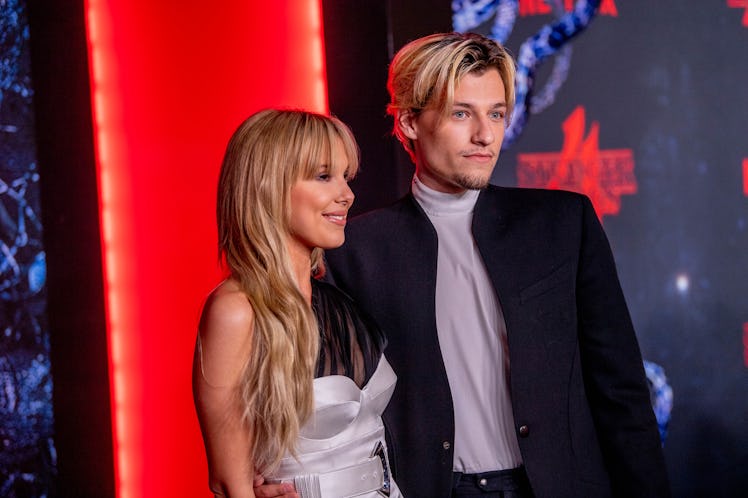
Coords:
421,249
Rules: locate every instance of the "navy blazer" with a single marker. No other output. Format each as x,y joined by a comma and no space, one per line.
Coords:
581,404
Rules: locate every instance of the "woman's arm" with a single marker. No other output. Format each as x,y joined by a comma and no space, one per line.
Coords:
223,347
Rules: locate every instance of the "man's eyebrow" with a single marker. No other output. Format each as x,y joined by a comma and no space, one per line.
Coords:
497,105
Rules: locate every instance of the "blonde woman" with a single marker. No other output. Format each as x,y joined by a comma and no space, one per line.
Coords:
289,378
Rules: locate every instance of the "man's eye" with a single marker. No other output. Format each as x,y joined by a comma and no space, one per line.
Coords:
460,114
497,115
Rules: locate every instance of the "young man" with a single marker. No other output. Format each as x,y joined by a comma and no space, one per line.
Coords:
519,373
518,367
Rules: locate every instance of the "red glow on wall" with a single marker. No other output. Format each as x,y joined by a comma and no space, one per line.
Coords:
169,84
603,175
745,176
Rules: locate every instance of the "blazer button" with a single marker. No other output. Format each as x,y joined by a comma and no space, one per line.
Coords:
524,431
446,445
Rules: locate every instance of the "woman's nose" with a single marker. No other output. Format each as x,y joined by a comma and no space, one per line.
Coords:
346,196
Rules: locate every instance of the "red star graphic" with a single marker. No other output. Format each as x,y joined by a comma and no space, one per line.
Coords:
604,176
740,4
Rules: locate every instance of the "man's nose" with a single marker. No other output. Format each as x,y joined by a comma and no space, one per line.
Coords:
483,134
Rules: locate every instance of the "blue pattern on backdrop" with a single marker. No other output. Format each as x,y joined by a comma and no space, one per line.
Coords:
662,396
27,457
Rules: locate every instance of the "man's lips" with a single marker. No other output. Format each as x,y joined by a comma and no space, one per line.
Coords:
482,157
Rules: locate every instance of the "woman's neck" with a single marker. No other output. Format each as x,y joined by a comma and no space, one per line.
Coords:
301,264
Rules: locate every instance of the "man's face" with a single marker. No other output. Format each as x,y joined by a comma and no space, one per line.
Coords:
459,151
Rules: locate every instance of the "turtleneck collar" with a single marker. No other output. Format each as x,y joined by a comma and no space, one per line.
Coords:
437,203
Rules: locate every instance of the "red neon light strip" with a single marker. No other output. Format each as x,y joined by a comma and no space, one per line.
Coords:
111,220
157,446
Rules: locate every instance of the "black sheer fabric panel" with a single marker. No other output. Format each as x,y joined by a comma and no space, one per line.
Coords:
350,341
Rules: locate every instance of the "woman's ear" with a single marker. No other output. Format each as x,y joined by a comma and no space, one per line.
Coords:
406,121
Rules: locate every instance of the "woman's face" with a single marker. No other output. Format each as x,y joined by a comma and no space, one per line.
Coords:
319,206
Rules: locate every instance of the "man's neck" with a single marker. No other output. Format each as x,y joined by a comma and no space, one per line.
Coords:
437,203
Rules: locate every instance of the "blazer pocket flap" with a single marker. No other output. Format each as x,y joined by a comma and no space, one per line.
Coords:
555,278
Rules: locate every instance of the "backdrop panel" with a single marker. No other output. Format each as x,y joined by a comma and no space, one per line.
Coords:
644,111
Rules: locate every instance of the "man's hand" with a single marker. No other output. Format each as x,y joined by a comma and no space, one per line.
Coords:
283,490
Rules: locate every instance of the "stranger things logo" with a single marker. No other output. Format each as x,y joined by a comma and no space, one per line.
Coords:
603,175
541,7
740,4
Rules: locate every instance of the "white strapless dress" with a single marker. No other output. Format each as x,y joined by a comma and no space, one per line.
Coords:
341,451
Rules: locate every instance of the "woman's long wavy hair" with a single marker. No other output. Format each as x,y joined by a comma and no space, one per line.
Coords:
266,155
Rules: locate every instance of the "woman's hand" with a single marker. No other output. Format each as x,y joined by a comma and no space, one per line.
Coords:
282,490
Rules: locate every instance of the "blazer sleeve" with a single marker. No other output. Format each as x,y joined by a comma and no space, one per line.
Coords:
613,371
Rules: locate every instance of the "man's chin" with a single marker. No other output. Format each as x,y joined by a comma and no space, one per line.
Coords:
473,183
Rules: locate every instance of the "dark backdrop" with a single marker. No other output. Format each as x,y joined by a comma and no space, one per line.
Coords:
664,81
666,84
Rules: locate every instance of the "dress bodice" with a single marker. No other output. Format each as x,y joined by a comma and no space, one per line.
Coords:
351,342
341,450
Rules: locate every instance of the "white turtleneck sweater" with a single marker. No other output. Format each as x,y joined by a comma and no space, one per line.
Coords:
472,337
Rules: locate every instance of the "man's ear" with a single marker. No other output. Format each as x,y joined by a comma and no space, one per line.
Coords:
406,121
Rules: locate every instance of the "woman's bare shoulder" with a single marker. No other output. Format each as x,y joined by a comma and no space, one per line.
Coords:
226,326
226,308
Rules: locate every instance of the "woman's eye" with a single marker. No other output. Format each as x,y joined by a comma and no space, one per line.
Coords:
323,177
